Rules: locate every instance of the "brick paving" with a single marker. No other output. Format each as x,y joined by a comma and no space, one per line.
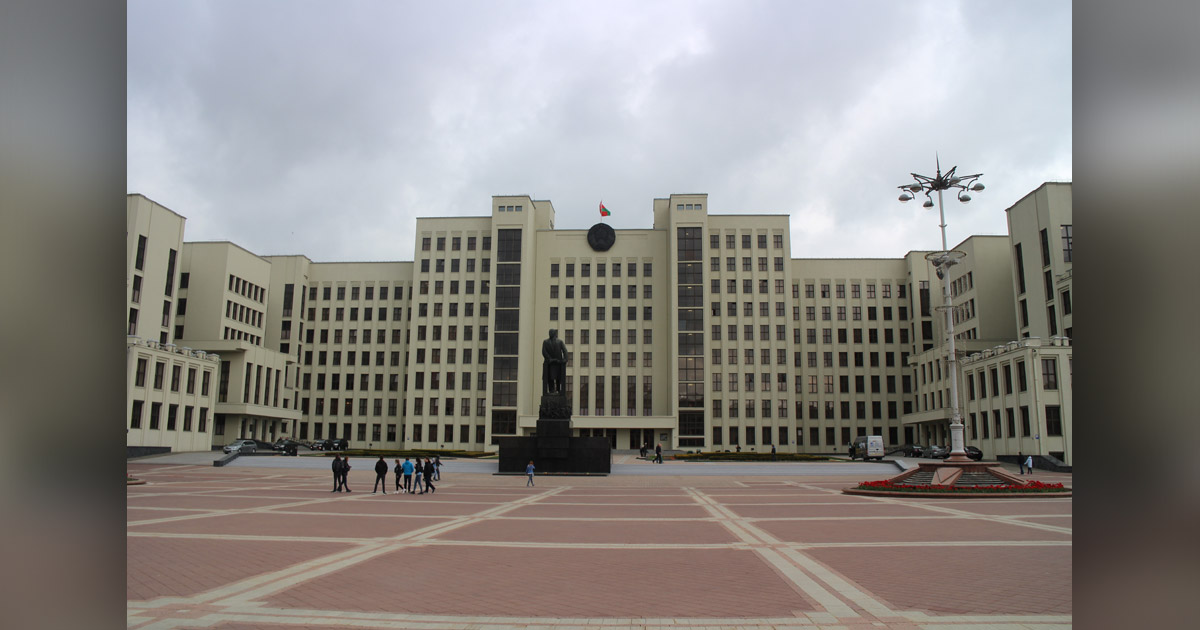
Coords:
241,548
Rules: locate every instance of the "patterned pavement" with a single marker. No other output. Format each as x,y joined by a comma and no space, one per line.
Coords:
238,548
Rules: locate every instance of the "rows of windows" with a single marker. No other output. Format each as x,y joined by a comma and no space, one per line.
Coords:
455,243
368,314
594,401
160,367
714,265
731,240
749,435
239,335
988,382
420,432
245,288
885,290
845,335
236,312
998,426
351,336
602,291
856,313
457,265
365,292
602,313
138,411
602,270
731,286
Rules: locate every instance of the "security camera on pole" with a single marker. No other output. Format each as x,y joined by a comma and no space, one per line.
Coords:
942,261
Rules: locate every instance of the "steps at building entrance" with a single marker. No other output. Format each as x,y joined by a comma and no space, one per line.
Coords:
978,479
922,478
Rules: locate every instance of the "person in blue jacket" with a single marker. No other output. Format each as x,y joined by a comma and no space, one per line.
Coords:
529,473
407,466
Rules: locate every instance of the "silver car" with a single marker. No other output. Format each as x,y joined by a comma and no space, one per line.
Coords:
242,446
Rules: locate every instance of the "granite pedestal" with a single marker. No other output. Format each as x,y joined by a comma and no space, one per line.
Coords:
552,448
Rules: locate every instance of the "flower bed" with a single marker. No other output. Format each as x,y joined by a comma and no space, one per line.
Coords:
887,485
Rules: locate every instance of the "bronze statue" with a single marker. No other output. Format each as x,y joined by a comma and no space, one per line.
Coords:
554,364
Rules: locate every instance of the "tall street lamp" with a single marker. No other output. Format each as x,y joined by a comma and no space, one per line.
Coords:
942,261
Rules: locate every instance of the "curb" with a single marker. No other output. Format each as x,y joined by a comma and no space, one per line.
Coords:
958,495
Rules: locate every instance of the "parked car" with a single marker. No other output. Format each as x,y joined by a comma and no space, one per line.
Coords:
913,450
338,444
283,445
936,452
973,453
243,446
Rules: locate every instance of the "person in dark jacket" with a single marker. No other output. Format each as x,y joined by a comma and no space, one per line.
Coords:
658,454
380,475
437,468
337,474
429,469
399,472
346,473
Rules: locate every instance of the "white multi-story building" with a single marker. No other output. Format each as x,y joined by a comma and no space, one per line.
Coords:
700,332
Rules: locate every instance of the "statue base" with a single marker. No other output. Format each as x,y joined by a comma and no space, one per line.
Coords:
552,448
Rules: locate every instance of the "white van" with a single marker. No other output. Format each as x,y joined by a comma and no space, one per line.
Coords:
867,447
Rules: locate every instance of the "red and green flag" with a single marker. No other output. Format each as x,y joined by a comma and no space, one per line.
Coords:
604,211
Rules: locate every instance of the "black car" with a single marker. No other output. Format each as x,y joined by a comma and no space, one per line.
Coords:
337,445
287,447
913,450
973,453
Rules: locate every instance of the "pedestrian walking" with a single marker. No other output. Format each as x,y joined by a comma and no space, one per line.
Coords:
337,474
645,448
380,476
529,473
1021,461
1029,465
430,471
346,474
437,468
407,466
420,476
658,454
773,453
398,470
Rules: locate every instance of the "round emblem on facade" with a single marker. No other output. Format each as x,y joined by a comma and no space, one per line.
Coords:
601,237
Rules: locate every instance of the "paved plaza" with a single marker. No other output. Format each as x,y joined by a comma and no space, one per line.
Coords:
263,543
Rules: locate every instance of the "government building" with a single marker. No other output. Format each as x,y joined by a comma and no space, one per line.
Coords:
699,333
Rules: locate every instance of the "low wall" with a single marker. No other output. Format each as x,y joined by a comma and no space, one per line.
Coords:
142,451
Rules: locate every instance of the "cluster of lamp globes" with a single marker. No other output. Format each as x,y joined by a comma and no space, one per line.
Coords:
951,182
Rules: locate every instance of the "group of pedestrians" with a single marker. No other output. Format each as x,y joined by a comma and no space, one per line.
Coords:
341,467
425,474
657,452
1025,462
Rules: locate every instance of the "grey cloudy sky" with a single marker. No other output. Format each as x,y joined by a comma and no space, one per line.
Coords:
325,128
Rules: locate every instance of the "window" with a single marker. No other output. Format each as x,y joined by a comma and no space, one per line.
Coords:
1049,373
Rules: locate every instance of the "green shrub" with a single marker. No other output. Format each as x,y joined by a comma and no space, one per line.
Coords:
721,456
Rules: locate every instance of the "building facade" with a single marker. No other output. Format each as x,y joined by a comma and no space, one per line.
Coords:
699,333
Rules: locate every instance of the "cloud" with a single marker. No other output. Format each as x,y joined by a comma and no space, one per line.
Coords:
305,127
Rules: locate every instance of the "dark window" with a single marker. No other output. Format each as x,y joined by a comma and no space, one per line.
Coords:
139,262
1020,272
508,247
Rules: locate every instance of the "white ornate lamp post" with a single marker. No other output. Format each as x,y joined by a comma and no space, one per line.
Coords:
942,261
